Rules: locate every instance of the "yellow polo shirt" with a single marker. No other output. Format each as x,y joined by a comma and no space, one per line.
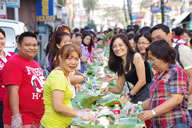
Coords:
56,81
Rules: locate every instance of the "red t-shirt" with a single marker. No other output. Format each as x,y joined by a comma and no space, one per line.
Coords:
2,63
29,77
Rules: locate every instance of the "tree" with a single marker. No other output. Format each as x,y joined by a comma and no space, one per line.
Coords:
89,5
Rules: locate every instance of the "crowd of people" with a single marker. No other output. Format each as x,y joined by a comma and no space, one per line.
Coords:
153,62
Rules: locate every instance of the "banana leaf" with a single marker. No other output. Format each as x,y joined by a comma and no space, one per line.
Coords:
108,100
84,124
112,103
89,126
86,100
112,83
123,126
106,113
90,72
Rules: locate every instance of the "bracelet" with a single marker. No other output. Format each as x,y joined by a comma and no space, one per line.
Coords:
153,112
130,95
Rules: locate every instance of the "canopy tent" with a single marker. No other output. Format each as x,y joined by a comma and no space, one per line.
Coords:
184,17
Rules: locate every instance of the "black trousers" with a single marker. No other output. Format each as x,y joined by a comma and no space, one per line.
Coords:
1,114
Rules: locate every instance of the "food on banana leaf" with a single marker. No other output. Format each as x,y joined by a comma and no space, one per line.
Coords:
100,73
105,117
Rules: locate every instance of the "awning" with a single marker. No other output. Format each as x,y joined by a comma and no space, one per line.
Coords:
180,18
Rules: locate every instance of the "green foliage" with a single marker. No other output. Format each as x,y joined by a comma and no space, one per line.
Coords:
89,126
86,100
89,4
122,126
112,103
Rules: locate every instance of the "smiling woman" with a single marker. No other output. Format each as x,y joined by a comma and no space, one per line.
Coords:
4,56
130,67
58,91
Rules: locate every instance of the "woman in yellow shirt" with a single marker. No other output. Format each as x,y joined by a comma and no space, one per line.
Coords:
58,91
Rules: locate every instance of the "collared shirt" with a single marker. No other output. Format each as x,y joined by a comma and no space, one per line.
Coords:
173,81
3,60
186,60
179,40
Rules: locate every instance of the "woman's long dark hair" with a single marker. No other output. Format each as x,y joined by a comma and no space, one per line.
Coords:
56,39
85,34
115,62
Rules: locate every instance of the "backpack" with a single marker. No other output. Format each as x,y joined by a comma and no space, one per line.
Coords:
177,55
45,67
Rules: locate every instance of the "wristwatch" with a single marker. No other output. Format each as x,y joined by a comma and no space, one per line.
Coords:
153,112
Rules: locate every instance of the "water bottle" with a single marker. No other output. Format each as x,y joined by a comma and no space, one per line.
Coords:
117,113
139,109
93,86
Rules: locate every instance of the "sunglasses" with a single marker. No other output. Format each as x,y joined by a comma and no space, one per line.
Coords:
62,28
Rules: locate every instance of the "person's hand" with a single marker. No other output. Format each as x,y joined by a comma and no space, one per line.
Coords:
107,78
84,59
104,90
78,87
124,99
16,121
131,109
145,115
86,115
84,77
86,110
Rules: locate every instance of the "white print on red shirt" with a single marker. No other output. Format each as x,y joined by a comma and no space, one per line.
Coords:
37,79
1,65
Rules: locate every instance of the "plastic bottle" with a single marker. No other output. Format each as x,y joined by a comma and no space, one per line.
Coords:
117,113
139,109
93,86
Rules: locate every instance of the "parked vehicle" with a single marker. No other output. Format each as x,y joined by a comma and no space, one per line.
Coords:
12,28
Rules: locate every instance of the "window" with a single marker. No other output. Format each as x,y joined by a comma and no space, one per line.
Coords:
10,37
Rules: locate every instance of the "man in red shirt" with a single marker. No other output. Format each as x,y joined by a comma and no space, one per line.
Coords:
24,81
177,38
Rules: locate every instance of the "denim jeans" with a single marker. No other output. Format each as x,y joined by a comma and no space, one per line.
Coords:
181,125
1,114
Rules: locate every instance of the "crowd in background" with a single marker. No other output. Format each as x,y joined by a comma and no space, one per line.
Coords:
153,62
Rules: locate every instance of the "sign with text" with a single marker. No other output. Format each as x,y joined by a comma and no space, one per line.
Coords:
3,13
170,3
156,9
44,10
12,3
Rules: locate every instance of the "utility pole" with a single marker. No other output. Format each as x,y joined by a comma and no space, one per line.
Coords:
162,11
129,11
125,12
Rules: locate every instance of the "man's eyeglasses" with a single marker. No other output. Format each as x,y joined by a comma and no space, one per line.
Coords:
152,60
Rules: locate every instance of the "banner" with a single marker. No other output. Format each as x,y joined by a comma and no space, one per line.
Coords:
170,3
44,10
12,3
156,9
